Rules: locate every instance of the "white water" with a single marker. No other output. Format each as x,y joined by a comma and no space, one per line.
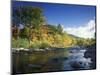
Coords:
76,60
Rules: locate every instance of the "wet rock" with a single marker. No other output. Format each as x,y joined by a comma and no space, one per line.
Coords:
91,53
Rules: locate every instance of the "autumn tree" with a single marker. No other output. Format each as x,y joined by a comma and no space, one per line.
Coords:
29,16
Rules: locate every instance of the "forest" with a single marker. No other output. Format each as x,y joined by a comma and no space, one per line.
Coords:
31,30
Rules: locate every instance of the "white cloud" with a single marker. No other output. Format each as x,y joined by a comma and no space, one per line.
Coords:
84,31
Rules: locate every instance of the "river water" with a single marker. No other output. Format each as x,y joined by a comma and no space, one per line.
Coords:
51,60
76,60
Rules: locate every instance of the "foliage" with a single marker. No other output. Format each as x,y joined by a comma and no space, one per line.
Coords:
28,16
21,42
24,33
37,34
59,29
39,44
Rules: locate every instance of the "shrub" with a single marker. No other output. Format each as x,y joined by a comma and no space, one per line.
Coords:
34,45
40,44
17,43
44,45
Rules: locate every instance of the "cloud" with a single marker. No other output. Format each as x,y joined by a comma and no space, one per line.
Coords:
84,31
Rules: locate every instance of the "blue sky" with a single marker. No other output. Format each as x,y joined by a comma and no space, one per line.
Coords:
67,15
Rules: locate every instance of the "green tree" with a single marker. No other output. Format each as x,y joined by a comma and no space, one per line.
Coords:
29,16
53,29
24,33
59,29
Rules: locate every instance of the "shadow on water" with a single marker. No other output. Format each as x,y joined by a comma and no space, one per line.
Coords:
59,59
38,61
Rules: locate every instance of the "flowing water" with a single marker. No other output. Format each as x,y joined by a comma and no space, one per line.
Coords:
59,59
76,60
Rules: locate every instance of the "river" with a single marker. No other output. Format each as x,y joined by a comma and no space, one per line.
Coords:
59,59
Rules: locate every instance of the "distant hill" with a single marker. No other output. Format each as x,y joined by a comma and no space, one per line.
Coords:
74,36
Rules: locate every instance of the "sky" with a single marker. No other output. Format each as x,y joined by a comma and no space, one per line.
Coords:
78,20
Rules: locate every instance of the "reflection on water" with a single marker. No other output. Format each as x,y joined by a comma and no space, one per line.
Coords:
51,60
